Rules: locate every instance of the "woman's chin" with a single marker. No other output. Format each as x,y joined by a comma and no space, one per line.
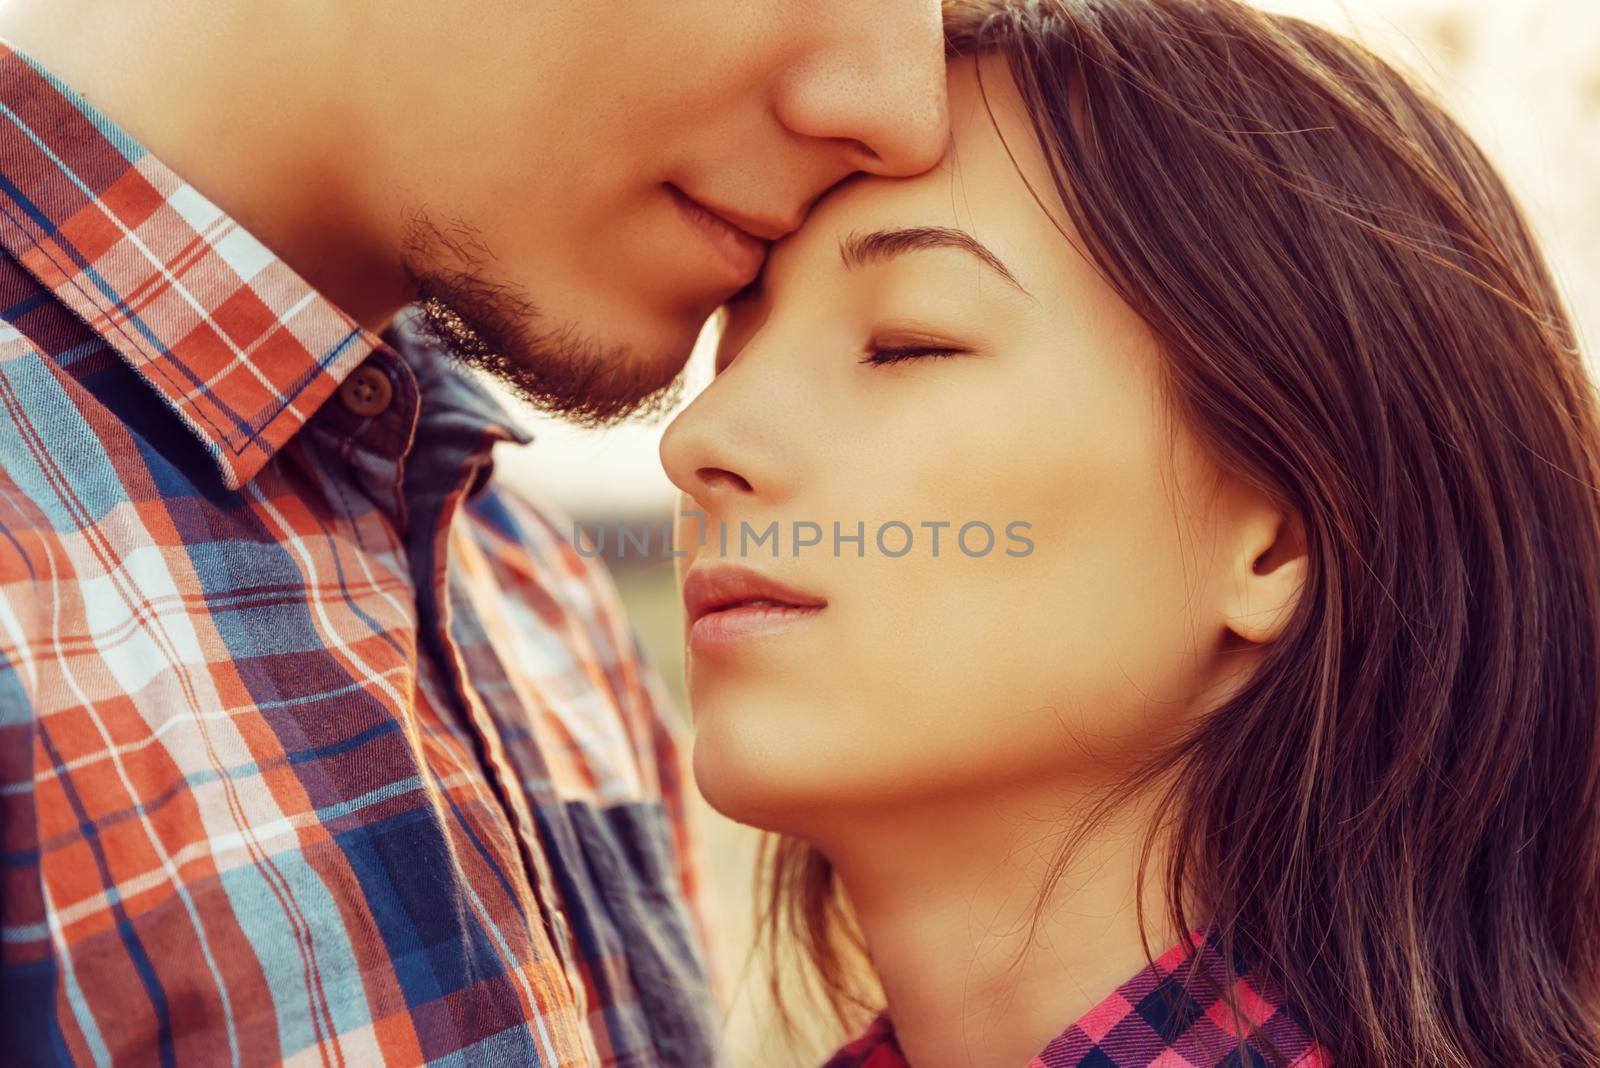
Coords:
754,777
746,786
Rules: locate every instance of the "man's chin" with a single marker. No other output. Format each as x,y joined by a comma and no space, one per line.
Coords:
596,394
561,371
594,373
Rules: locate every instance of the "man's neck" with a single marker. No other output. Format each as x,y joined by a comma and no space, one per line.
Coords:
947,902
243,105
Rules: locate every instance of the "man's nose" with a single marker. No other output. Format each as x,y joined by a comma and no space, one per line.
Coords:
878,94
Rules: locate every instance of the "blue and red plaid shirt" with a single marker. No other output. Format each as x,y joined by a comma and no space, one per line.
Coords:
316,745
1173,1014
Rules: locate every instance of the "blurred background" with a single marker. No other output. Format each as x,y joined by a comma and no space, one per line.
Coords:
1525,77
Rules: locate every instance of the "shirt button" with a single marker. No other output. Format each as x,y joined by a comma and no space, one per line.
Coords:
367,391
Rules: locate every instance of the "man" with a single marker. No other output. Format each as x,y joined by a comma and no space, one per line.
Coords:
315,745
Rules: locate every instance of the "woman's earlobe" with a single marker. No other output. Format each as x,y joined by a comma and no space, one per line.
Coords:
1268,584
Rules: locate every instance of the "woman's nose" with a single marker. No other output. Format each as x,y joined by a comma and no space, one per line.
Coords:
700,458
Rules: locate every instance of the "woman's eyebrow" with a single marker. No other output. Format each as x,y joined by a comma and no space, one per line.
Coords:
859,250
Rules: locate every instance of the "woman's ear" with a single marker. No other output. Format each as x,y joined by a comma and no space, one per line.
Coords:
1268,573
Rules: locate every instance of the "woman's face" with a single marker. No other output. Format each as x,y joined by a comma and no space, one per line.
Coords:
924,352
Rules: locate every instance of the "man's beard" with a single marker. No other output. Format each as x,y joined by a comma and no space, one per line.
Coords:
494,327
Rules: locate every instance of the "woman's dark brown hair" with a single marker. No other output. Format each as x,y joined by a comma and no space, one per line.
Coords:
1398,818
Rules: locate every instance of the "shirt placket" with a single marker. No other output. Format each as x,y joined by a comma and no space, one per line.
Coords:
508,790
444,469
374,427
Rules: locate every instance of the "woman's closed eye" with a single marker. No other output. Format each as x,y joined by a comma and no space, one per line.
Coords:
878,354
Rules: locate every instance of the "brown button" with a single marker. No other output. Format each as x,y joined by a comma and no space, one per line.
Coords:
367,391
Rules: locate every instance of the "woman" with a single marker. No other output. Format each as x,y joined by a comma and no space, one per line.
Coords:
1276,687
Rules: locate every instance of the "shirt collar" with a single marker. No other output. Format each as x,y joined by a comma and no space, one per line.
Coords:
458,402
237,343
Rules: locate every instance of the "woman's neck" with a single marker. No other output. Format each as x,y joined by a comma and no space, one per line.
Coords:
948,903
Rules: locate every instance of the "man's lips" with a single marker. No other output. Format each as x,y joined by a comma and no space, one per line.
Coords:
741,241
726,604
757,227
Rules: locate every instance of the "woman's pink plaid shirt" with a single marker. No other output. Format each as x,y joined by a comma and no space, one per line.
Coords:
316,745
1186,1010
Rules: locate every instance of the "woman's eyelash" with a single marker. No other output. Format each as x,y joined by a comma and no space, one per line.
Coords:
879,355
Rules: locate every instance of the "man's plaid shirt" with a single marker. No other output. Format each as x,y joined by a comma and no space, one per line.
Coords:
316,745
1188,1009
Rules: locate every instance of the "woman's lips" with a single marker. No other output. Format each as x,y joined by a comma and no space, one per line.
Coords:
740,252
728,604
733,625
